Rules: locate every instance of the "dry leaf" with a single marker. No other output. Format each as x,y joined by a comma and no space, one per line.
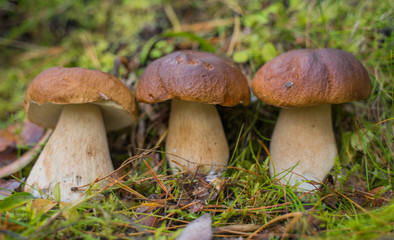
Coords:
31,133
42,206
70,213
8,186
7,139
14,164
8,157
378,197
145,219
8,142
197,207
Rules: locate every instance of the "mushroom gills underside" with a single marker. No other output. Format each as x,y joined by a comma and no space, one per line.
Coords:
47,114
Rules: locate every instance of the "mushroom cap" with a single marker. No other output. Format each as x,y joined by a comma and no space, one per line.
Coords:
193,76
309,77
57,86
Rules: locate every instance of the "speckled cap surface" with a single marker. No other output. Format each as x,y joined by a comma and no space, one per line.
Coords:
57,86
309,77
193,76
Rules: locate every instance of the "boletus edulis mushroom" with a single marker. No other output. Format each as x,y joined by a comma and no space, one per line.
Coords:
304,83
195,81
81,105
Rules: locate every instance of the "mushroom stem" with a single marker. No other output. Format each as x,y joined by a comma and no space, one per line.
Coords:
196,137
303,142
76,154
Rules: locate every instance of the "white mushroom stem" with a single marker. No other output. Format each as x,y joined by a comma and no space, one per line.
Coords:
76,154
303,146
196,137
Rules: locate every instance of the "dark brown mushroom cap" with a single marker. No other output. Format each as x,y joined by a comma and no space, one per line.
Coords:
57,86
309,77
193,76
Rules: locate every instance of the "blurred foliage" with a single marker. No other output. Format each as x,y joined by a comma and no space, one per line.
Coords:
39,34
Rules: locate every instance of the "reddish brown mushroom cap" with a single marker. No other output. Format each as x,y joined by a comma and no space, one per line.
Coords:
311,77
58,86
193,76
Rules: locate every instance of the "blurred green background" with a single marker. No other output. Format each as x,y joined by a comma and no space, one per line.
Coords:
37,34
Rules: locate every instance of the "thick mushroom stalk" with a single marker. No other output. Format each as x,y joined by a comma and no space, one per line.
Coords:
196,137
76,154
303,145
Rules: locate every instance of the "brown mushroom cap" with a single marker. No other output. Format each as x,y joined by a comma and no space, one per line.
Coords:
193,76
57,86
309,77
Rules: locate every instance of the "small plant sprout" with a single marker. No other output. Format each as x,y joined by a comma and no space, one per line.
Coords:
82,105
304,83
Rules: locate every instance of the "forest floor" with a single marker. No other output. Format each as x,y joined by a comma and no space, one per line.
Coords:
146,201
